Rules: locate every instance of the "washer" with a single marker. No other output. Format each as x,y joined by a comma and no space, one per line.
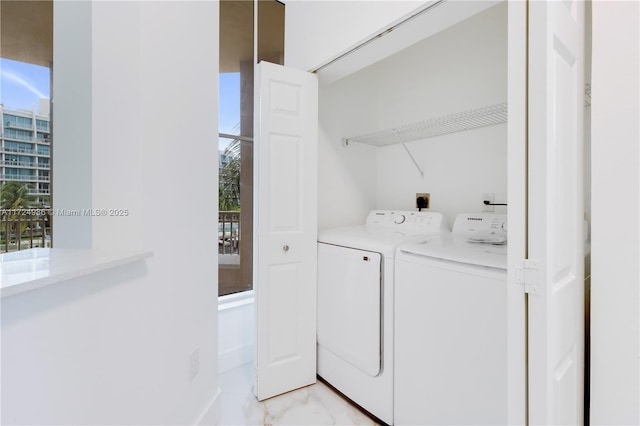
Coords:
355,304
451,325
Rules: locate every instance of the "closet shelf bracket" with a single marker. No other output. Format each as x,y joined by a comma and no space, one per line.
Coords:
413,159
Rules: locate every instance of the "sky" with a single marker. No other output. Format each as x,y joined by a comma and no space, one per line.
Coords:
229,114
22,85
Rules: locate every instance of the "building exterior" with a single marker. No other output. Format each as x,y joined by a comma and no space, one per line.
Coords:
25,150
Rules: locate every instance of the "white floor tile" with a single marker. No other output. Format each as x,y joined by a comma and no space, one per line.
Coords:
313,405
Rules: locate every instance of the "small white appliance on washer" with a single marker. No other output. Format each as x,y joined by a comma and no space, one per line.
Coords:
355,304
451,325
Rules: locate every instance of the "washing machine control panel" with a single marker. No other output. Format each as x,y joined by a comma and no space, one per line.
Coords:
471,223
407,221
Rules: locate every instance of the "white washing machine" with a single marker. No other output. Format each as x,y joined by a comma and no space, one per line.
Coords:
355,304
451,325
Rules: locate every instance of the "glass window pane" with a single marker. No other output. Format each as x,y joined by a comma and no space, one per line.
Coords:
235,118
235,192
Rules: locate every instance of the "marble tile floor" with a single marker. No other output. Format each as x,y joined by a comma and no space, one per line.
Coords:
317,404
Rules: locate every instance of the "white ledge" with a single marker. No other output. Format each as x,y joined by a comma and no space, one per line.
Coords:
235,300
31,269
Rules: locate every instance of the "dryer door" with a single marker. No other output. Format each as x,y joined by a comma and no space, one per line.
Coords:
349,317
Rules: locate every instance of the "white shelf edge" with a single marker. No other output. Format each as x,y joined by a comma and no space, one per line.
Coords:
458,122
62,265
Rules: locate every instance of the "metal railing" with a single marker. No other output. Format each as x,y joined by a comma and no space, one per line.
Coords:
228,232
11,124
32,191
12,163
20,150
23,178
30,165
23,229
18,137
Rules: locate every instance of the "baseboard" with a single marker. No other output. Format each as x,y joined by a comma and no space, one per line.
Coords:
211,413
235,357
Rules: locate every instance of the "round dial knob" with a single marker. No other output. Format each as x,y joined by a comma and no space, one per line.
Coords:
400,219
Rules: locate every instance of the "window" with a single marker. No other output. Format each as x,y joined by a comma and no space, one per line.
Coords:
43,150
10,146
25,64
18,135
42,125
235,142
17,121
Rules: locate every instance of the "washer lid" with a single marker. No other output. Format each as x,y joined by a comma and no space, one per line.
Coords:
385,230
457,248
384,241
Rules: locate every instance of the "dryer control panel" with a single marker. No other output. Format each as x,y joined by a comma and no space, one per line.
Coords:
407,221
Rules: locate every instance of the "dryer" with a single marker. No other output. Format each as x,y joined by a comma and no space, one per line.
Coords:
355,303
451,325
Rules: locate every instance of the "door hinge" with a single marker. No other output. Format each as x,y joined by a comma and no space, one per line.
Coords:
527,275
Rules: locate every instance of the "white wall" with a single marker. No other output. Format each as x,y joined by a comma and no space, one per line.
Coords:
115,348
71,93
615,213
458,69
346,177
236,330
118,152
320,30
458,169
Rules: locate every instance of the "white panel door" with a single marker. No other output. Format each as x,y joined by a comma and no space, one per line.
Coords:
556,211
285,228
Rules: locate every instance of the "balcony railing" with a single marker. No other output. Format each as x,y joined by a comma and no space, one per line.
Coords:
31,165
28,228
25,178
23,138
24,229
17,137
228,232
15,125
20,150
11,163
38,191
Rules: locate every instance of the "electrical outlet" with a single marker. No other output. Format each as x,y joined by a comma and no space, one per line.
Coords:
490,197
195,362
427,198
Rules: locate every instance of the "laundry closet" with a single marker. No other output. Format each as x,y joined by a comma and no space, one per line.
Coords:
398,126
430,118
461,100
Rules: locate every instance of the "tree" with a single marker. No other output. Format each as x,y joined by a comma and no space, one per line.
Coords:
15,195
229,178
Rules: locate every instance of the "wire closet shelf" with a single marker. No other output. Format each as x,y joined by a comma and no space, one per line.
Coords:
458,122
